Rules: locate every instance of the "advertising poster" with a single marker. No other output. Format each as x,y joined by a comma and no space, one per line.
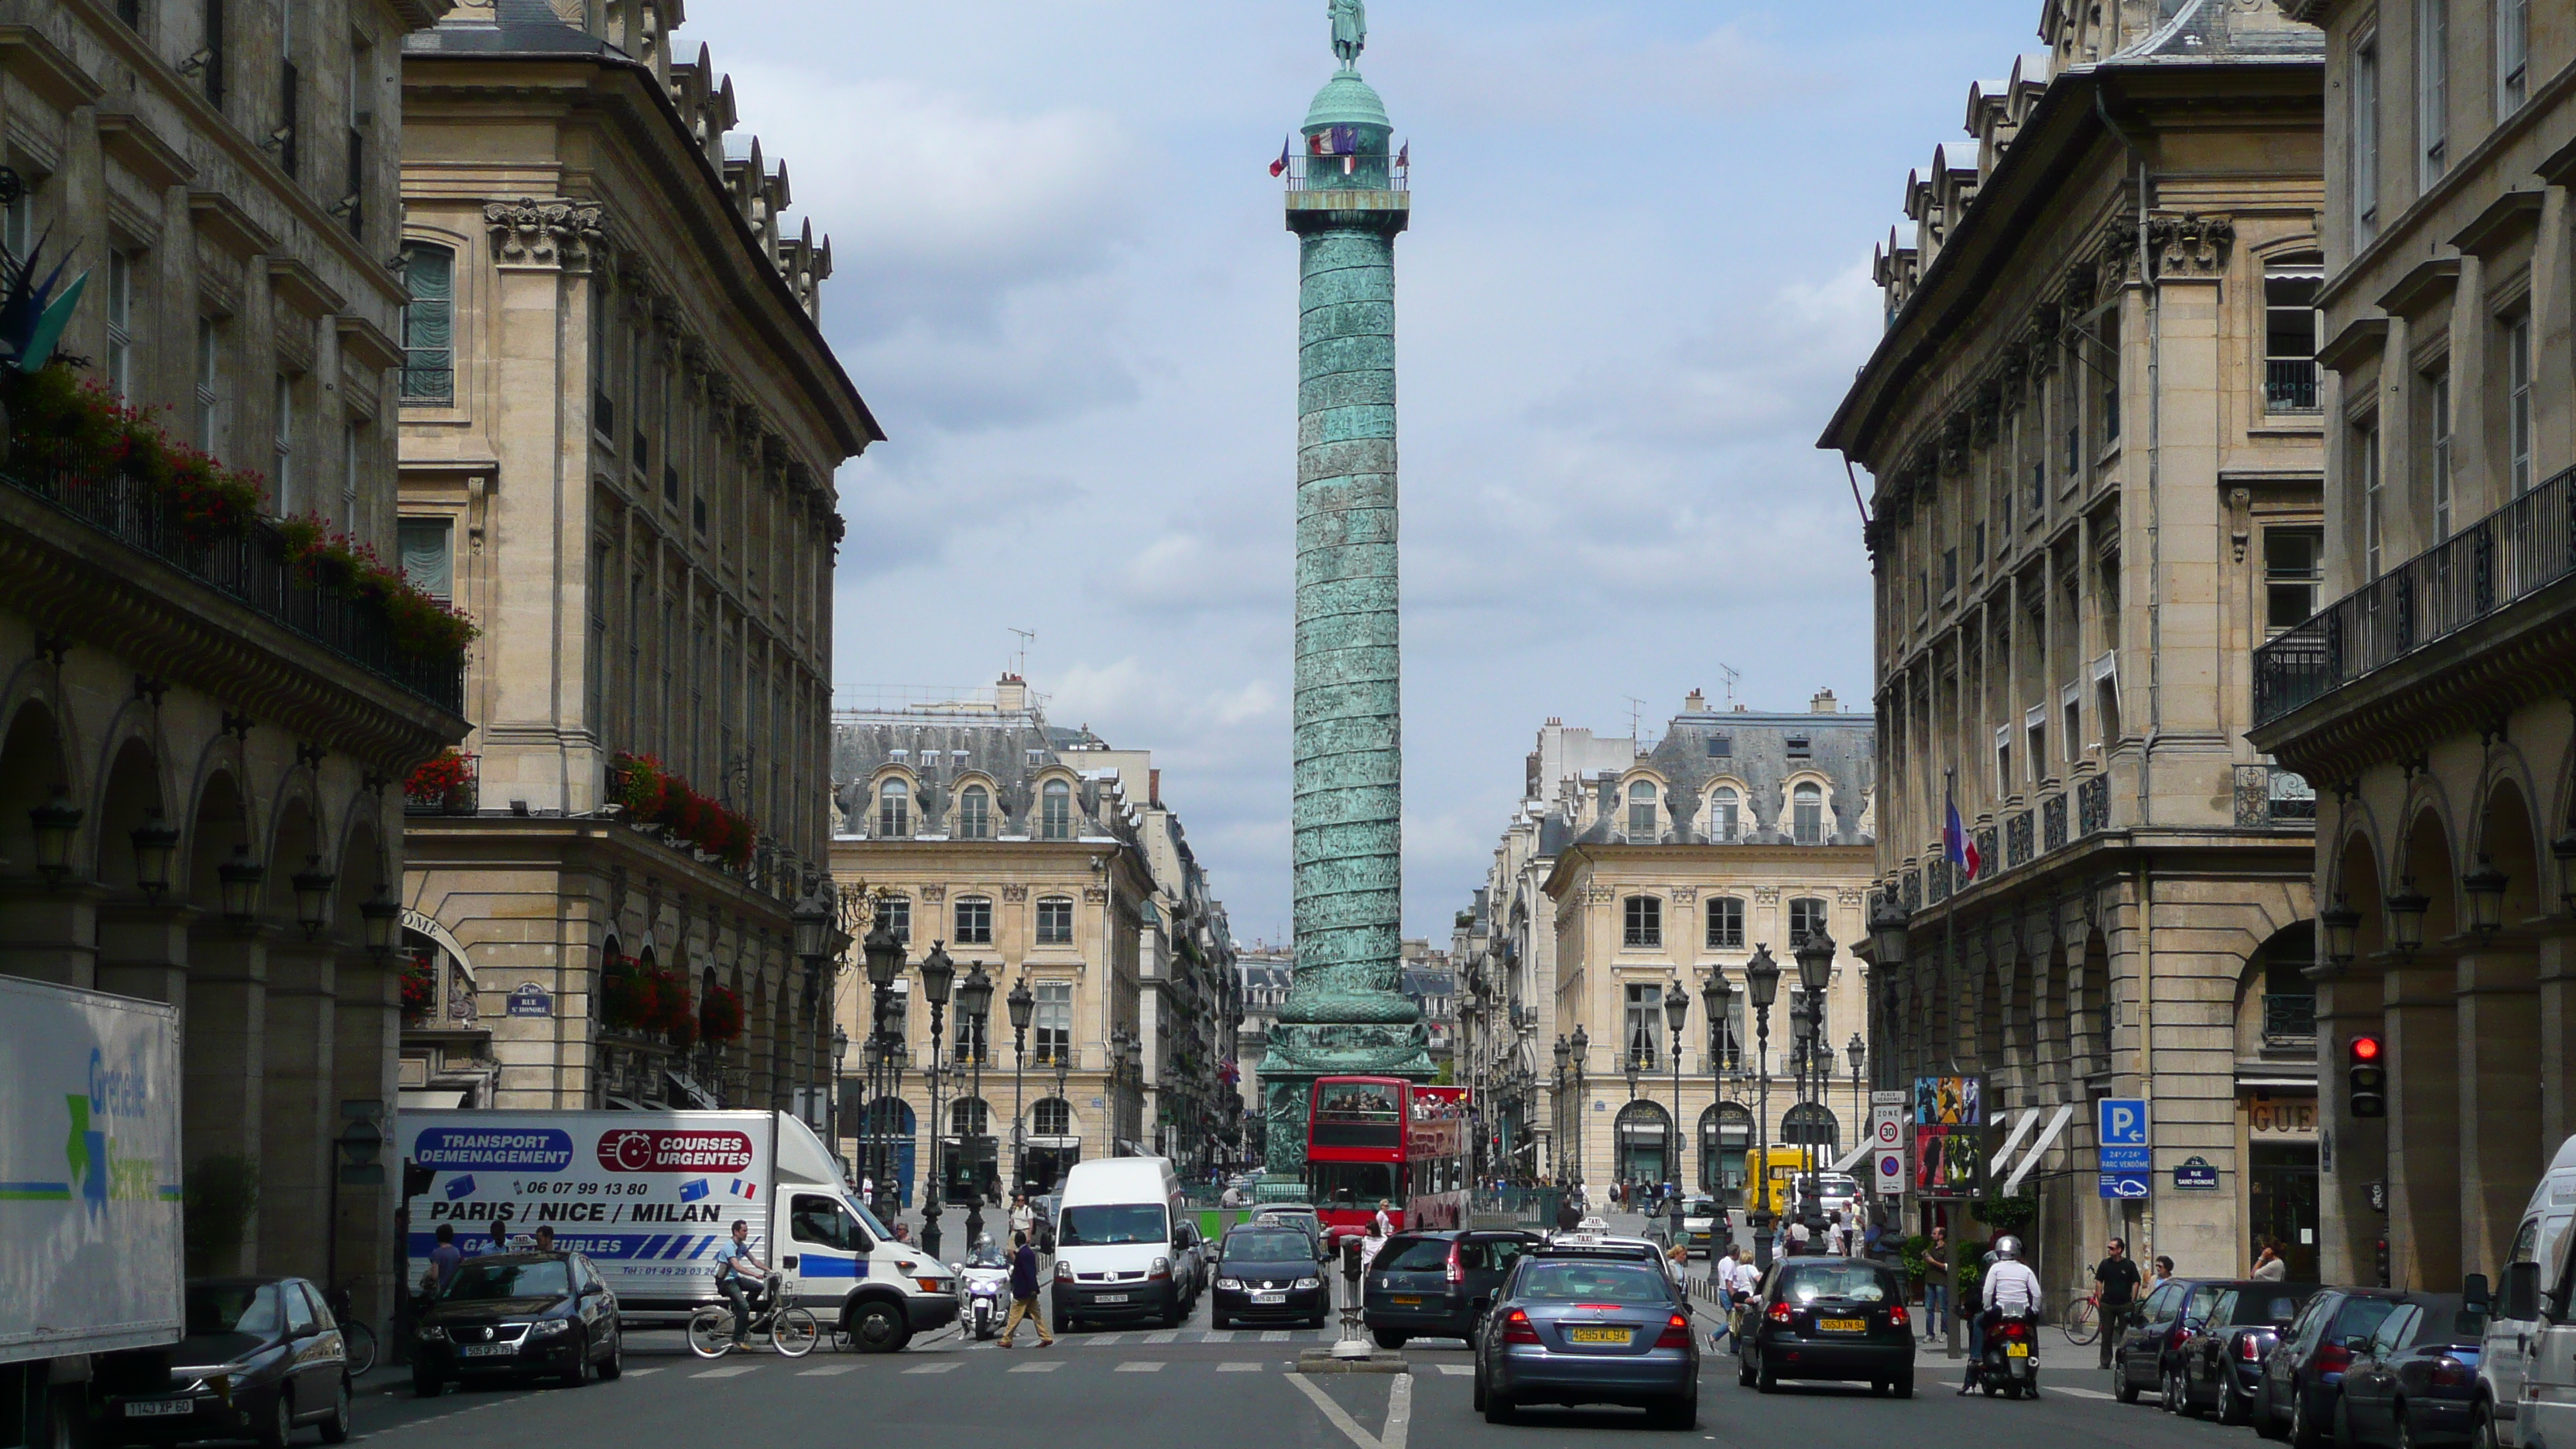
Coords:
1949,1102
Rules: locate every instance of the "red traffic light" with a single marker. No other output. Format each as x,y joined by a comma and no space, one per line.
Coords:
2364,1049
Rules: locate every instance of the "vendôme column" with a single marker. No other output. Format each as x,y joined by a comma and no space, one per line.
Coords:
1345,1010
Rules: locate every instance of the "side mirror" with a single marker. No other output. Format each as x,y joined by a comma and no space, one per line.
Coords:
2473,1293
2520,1300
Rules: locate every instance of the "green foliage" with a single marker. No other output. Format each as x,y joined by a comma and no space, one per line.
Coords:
1447,1076
2007,1214
220,1194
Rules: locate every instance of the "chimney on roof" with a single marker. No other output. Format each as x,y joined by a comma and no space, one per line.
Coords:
1694,703
1011,696
1823,703
1154,787
1555,720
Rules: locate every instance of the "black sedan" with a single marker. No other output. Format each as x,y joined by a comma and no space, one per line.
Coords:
1437,1284
2416,1380
2302,1379
2220,1363
522,1314
1831,1318
262,1356
1267,1273
1587,1330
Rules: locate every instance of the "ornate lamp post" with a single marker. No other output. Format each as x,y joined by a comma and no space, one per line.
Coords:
1815,973
1762,985
1676,1016
1023,1004
840,1057
883,953
1856,1052
938,973
975,1008
1717,997
1563,1054
1582,1043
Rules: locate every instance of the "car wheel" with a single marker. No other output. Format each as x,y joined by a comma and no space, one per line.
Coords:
425,1382
2122,1387
1218,1321
1905,1385
2303,1434
876,1326
1498,1408
1387,1338
335,1430
1317,1321
579,1374
2482,1429
615,1364
2343,1424
279,1425
2258,1410
1765,1381
2405,1431
1679,1412
2233,1408
1743,1366
1478,1392
2183,1403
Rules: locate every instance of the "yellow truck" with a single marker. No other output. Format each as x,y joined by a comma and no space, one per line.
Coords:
1771,1174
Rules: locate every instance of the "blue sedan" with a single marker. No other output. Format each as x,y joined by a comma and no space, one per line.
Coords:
1588,1331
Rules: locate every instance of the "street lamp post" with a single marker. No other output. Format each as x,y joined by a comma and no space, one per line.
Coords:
1676,1016
840,1056
975,1009
1762,985
1582,1054
1856,1053
1815,973
1023,1004
883,952
1716,998
1556,1094
938,973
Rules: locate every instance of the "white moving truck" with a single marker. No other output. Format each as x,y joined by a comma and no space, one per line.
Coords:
649,1196
92,1286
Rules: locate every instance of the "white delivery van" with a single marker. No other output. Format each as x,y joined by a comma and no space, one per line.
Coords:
1117,1256
650,1196
91,1283
2527,1365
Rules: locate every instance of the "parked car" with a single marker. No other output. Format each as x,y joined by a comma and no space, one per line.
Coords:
2415,1381
1703,1222
262,1356
2221,1360
2303,1378
1267,1272
519,1313
1437,1284
2151,1345
1830,1318
1586,1328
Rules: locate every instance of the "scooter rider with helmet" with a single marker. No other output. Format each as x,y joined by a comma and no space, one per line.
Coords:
2010,1287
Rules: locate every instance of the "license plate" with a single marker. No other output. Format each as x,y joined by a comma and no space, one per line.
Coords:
159,1408
1843,1325
488,1350
1598,1335
1269,1297
1110,1298
2016,1350
1408,1302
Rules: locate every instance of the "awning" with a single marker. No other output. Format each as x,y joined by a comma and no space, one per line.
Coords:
436,1099
1641,1129
625,1104
2064,1113
1053,1144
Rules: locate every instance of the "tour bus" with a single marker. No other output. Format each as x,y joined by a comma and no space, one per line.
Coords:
1373,1139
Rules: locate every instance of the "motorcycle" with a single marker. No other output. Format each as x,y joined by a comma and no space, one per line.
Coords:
2010,1363
986,1287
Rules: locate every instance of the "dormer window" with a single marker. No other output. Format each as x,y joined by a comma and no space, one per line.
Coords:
1055,811
1641,811
974,813
894,810
1800,747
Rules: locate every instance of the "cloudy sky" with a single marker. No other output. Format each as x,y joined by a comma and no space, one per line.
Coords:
1637,282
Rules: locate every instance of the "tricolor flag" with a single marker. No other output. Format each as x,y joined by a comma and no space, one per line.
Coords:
1956,845
1404,157
1280,165
745,1189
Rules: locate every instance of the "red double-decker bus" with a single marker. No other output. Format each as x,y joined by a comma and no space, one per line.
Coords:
1383,1139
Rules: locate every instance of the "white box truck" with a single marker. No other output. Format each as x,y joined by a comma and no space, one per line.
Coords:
649,1196
92,1283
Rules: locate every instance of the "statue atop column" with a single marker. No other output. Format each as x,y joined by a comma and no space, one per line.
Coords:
1350,30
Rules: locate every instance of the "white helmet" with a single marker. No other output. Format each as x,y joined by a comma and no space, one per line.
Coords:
2008,1247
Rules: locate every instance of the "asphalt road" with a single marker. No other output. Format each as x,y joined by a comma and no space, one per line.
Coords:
1190,1387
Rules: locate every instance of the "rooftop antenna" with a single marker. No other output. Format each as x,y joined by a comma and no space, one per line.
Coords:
1636,711
1020,660
1729,671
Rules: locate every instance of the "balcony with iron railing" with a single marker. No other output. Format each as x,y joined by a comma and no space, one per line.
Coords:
2290,385
2512,553
2289,1022
1348,173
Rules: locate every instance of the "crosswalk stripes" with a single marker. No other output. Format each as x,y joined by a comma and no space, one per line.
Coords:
927,1368
1252,1367
1165,1337
1141,1366
1457,1370
1219,1335
825,1373
1276,1335
1042,1366
727,1372
636,1373
1103,1340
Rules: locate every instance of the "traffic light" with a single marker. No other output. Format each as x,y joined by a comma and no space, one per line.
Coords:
2365,1078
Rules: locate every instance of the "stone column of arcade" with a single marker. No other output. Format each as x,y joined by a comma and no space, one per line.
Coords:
1345,1011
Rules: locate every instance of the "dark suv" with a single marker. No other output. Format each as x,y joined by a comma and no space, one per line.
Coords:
519,1313
1830,1318
2295,1398
1437,1284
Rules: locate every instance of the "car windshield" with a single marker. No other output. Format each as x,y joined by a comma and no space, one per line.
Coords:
1699,1207
1102,1224
1269,1247
987,1256
1841,1282
1348,1185
233,1308
1413,1255
2257,1307
2361,1317
485,1279
1592,1283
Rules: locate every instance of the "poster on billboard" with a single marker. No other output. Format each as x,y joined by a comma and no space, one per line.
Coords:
1949,1102
1948,1160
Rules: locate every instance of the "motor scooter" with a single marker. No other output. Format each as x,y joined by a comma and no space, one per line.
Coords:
2010,1363
986,1287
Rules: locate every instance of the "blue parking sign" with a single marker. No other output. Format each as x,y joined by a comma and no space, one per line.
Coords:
2124,1184
2121,1121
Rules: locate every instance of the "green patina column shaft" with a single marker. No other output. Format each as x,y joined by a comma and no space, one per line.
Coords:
1346,1011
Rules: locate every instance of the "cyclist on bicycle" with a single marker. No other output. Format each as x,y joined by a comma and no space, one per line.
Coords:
736,1264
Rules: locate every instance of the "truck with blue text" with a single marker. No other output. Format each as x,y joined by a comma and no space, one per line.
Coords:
649,1196
92,1285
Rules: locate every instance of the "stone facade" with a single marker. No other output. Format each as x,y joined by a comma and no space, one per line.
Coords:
236,280
620,424
2429,701
1737,832
2097,447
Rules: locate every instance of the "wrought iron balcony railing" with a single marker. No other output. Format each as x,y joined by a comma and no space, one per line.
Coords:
2288,1020
251,568
2289,385
1348,173
2513,552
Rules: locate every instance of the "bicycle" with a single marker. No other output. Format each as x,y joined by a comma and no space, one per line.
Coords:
791,1330
357,1340
2083,1320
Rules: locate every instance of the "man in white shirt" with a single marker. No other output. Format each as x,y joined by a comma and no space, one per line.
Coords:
2010,1287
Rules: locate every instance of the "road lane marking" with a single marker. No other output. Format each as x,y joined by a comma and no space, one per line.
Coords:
1399,1412
733,1371
1141,1366
1047,1367
1218,1335
1103,1340
639,1373
1164,1337
1239,1368
825,1373
931,1368
1276,1335
1457,1370
2077,1393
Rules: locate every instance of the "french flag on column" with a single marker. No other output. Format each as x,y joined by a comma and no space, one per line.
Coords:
1955,843
1280,165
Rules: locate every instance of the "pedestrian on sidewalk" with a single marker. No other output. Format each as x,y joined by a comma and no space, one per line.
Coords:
1024,1292
1721,1277
2271,1267
2115,1284
1023,1217
1936,1283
